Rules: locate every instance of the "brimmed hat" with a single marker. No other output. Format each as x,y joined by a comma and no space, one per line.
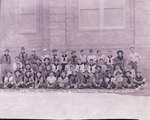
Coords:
91,60
6,50
54,50
90,50
118,72
33,50
8,71
98,51
22,48
73,52
81,50
17,57
44,50
119,51
46,58
17,71
128,72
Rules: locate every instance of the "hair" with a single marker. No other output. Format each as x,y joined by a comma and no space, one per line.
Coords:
132,47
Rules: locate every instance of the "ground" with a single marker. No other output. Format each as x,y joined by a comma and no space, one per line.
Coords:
60,104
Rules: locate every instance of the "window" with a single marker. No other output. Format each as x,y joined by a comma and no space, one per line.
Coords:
27,16
101,14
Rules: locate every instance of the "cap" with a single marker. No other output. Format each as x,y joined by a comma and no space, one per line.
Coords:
22,48
81,50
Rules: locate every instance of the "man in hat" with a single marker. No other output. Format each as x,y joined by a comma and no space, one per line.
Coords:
64,59
44,54
109,80
120,60
134,59
73,57
28,79
33,56
5,61
18,77
23,56
83,57
110,59
91,56
54,55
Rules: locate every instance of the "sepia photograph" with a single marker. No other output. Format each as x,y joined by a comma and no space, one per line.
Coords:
75,59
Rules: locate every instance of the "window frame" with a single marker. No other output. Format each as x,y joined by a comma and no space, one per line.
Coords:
101,17
24,13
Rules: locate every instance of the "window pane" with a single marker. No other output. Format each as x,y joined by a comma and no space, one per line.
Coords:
27,6
114,17
85,4
89,18
27,22
114,3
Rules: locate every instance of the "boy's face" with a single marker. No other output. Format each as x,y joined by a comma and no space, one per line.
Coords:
48,67
60,67
138,74
38,74
34,52
28,66
63,74
79,61
56,62
22,50
109,53
71,68
74,73
28,73
86,74
118,75
99,53
51,74
40,68
132,50
16,59
17,73
86,66
46,61
82,52
6,52
73,54
117,67
91,62
101,61
8,74
91,53
120,54
128,74
44,52
109,75
18,65
129,67
98,69
54,52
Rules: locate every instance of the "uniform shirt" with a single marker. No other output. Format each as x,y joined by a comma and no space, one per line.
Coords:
33,58
62,81
28,79
74,79
64,59
6,59
8,79
91,68
18,78
23,57
134,57
54,57
39,80
91,57
83,58
101,57
55,67
109,80
80,67
14,66
51,80
128,80
109,60
86,79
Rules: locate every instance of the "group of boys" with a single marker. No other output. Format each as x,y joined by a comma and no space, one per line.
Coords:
75,71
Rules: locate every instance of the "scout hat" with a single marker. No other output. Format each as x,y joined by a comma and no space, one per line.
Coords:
22,48
6,50
119,51
54,50
17,71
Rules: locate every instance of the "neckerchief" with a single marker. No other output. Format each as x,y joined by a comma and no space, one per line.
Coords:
23,55
56,66
74,58
128,80
6,55
64,57
120,57
54,56
109,57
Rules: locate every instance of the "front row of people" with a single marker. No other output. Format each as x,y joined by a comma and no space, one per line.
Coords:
73,79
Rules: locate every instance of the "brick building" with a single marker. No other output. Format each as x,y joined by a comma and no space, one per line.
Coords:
75,24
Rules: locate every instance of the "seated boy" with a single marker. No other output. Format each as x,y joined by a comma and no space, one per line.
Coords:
9,81
47,71
33,56
51,80
101,63
97,79
14,66
86,81
18,77
36,65
46,62
54,55
74,79
117,68
58,73
118,80
139,81
45,54
39,80
109,80
23,56
28,79
129,68
69,72
63,81
128,80
28,68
